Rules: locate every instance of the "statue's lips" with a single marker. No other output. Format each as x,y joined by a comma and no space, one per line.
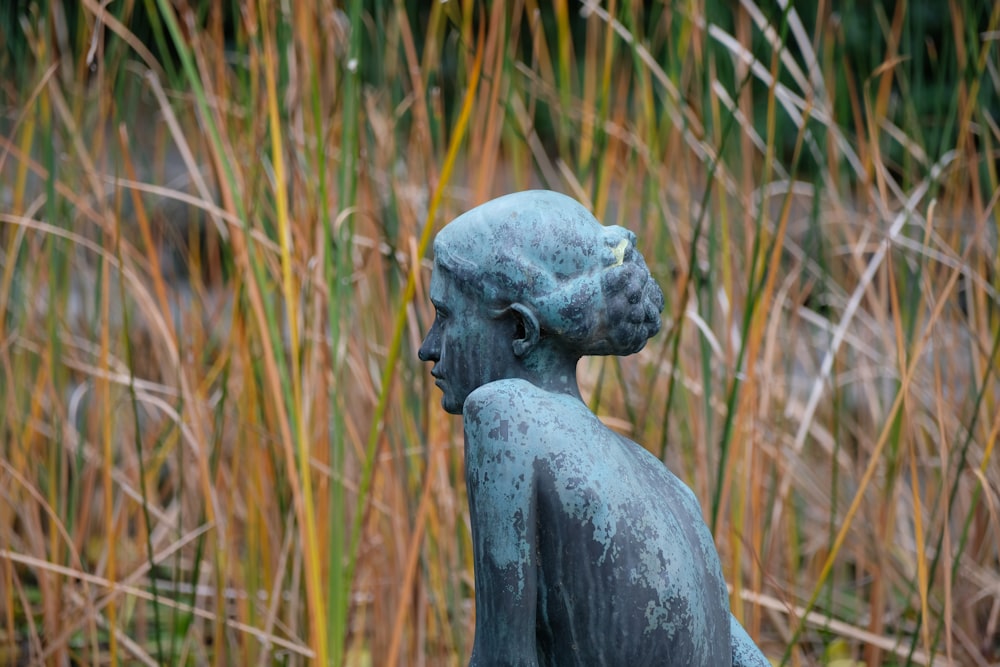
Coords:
438,380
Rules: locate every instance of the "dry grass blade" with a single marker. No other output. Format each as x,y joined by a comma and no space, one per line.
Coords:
873,265
883,439
140,593
841,628
219,446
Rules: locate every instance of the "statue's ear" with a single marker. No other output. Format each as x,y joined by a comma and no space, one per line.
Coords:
528,331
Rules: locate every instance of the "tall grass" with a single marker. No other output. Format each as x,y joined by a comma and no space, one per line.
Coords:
217,445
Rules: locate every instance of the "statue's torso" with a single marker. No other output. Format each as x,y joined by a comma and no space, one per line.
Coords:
627,570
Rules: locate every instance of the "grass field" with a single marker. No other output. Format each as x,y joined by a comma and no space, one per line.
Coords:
217,445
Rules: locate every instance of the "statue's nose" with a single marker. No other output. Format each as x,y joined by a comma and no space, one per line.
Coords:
430,348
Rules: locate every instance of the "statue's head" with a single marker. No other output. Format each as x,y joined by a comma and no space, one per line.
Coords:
527,284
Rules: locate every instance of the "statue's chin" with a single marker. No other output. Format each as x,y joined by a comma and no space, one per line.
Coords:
450,405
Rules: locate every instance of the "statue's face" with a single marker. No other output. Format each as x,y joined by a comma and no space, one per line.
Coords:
469,348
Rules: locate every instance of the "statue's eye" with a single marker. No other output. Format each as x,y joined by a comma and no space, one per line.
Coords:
440,313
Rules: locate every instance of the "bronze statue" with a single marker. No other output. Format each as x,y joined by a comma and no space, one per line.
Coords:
588,550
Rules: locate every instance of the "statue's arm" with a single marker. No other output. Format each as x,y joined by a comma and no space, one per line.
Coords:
745,651
501,490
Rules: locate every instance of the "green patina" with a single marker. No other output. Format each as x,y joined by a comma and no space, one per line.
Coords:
588,550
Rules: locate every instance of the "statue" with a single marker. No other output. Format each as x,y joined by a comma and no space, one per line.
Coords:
588,550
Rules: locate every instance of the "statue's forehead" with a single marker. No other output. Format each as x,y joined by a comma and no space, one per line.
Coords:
440,284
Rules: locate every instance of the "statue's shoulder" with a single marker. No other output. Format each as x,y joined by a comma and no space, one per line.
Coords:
503,399
499,420
515,412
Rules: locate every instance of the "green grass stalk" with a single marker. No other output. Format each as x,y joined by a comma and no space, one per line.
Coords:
313,582
375,432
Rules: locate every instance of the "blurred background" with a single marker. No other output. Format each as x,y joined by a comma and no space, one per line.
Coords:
217,445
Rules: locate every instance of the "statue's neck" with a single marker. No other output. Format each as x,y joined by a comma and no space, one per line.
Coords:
552,371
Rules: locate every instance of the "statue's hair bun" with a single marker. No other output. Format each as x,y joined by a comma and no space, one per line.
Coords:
632,304
612,308
631,301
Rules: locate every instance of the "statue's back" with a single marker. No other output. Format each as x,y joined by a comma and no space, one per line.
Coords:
627,570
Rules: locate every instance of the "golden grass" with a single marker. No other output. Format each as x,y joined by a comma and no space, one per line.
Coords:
217,445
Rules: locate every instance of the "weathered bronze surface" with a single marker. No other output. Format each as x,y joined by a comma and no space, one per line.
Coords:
588,550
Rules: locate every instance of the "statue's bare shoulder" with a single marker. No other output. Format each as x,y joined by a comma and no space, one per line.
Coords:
515,412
